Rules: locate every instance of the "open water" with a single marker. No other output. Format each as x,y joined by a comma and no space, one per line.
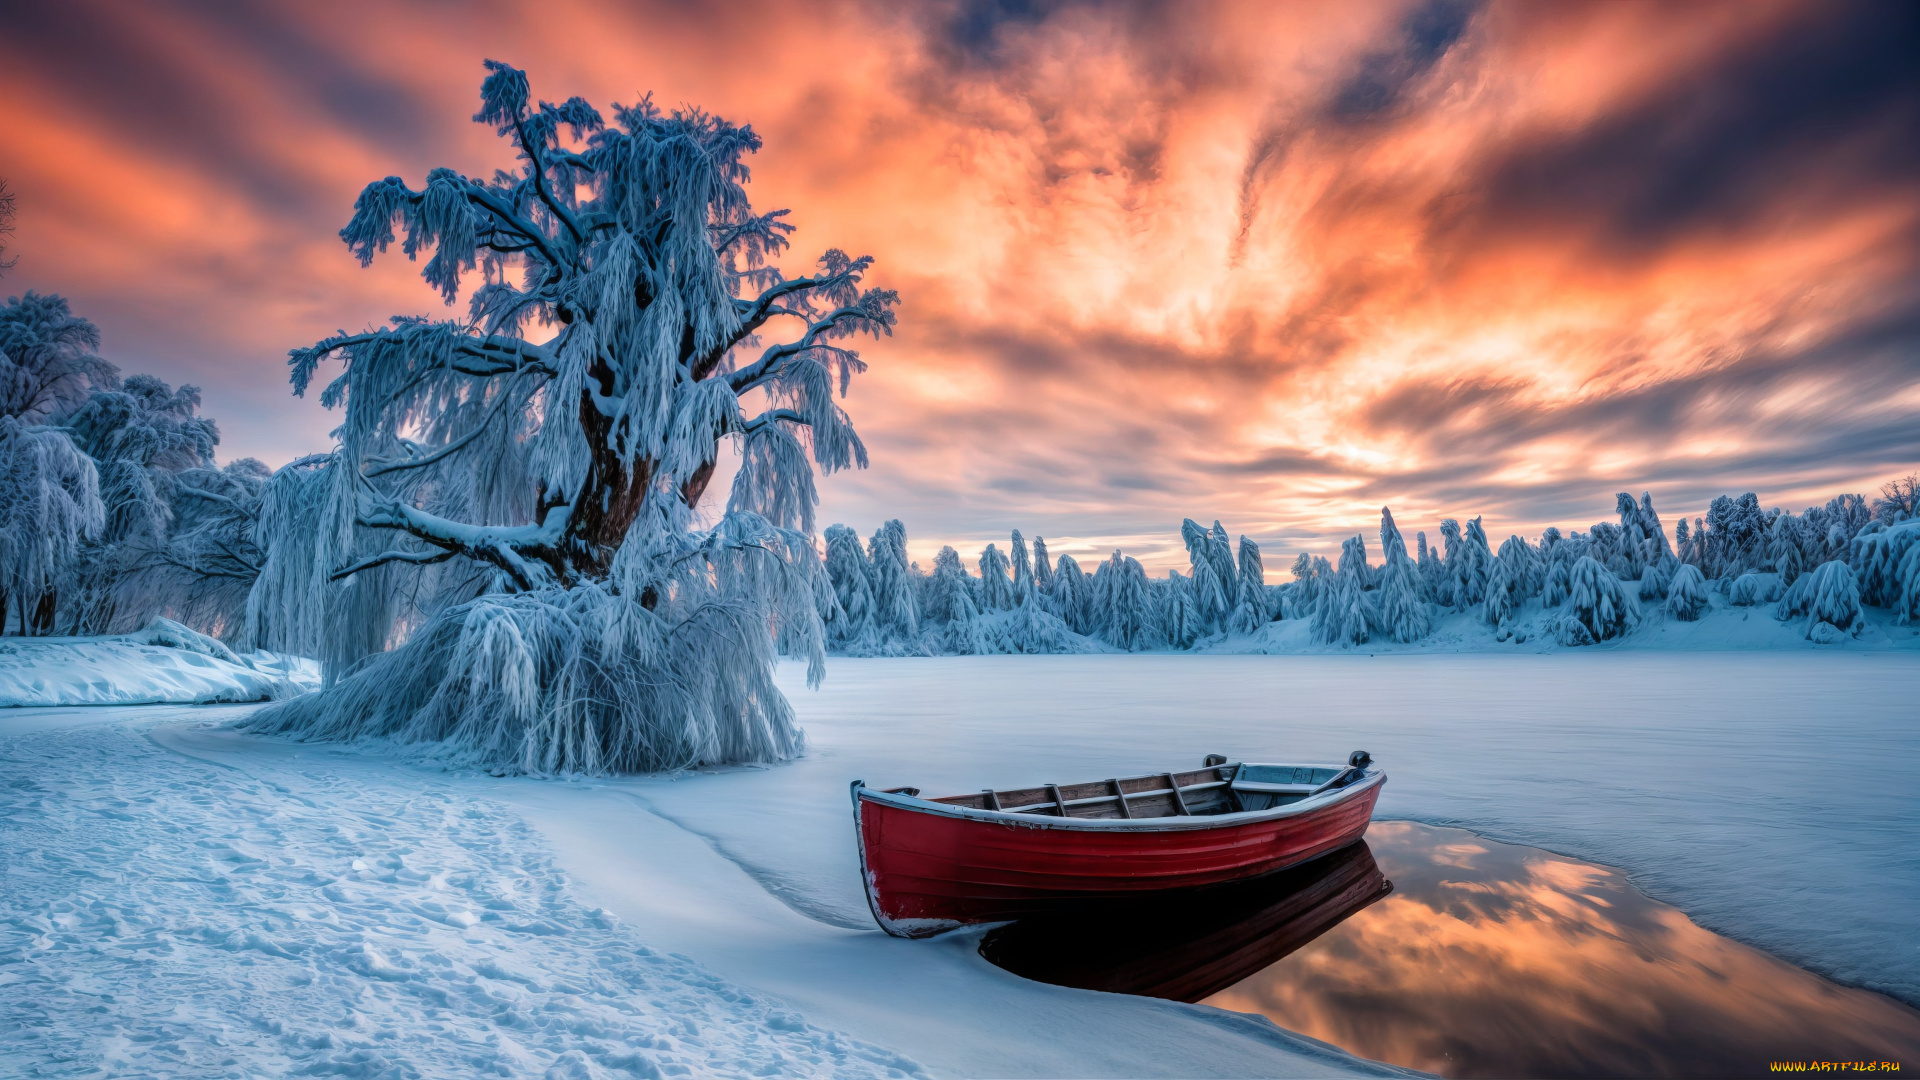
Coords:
1445,951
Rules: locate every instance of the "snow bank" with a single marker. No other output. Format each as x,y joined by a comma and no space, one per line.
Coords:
166,662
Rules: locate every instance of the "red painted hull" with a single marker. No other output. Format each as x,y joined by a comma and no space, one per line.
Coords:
931,867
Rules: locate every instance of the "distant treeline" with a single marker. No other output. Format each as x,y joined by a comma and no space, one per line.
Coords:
1818,566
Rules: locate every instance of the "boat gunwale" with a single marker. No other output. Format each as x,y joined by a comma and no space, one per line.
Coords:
1371,778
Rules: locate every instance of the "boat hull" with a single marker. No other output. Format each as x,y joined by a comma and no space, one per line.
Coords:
930,868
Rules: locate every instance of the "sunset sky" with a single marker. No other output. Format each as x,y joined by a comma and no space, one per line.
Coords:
1273,264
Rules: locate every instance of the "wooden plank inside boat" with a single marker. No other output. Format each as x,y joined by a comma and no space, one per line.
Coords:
1196,792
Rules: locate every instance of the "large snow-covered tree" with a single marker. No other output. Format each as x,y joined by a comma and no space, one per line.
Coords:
612,633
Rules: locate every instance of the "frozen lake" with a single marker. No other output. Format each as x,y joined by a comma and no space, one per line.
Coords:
401,913
1770,796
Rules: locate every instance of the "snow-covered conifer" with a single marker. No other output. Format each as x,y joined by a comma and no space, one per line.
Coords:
1179,620
1220,550
1687,592
1784,548
1471,570
620,637
1072,595
1302,567
49,505
1555,585
949,591
1353,560
1453,562
1042,567
1634,543
894,604
1525,569
1023,587
1435,588
1341,614
1501,602
1597,606
1401,613
1683,541
1211,594
1130,623
996,590
1250,612
847,570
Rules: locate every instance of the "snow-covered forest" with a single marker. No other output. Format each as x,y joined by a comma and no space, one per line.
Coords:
1813,570
113,509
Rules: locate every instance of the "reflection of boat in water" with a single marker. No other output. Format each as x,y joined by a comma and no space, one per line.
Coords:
1188,946
933,864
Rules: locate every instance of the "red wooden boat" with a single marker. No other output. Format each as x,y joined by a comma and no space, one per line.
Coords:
932,865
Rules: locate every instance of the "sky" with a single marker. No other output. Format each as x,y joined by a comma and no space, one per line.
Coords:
1274,264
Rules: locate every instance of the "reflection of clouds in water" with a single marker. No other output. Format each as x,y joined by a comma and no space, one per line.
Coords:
1534,964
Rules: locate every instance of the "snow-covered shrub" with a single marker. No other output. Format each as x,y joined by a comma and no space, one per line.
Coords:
1907,608
1687,596
1830,599
1653,582
1750,589
1877,553
49,506
1597,607
1032,630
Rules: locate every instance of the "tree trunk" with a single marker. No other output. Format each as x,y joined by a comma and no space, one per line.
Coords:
610,496
43,614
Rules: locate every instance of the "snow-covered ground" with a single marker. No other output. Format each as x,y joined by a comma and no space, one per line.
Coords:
1723,626
165,916
182,869
181,900
165,663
